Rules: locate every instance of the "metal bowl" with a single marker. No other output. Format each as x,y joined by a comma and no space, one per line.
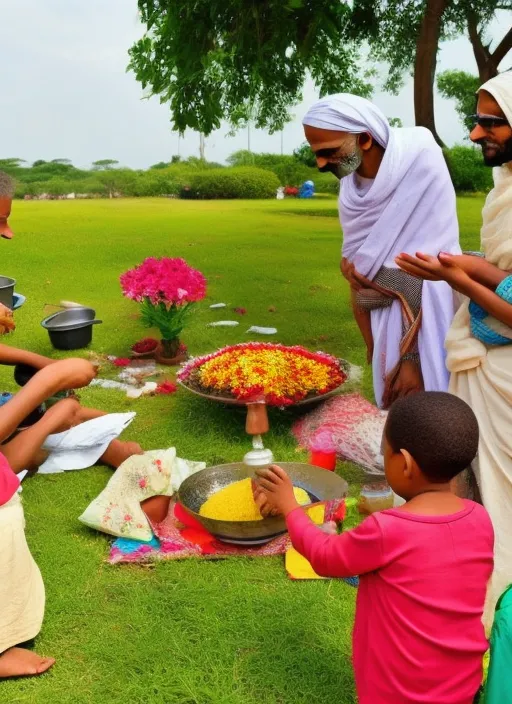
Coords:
71,329
7,290
320,484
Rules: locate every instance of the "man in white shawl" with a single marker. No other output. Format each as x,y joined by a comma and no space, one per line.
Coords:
478,343
396,196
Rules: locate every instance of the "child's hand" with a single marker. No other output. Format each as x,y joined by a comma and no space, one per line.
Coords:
277,489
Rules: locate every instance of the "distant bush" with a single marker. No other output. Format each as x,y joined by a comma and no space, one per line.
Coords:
325,183
237,182
467,169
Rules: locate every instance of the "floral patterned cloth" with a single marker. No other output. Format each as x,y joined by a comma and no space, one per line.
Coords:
117,510
180,536
355,426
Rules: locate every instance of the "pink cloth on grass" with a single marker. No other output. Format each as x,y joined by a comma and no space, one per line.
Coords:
418,635
9,482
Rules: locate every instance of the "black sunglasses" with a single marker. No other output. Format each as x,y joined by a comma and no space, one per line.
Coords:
488,122
327,153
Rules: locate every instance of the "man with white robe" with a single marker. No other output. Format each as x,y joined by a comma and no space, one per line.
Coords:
479,341
396,196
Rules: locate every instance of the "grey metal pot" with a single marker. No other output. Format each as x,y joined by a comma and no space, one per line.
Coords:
320,484
71,329
7,290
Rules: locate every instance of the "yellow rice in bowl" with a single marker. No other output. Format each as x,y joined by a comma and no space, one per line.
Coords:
235,502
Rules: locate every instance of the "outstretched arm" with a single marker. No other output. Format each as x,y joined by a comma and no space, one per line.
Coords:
445,268
478,269
59,376
353,553
13,355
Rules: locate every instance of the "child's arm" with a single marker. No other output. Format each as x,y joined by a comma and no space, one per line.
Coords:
353,553
12,355
63,375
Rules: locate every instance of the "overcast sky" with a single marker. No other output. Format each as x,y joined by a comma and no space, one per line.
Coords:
65,93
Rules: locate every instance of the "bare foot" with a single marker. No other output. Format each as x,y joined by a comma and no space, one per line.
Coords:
19,662
117,452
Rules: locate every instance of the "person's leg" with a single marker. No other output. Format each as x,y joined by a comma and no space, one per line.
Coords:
156,508
24,451
19,662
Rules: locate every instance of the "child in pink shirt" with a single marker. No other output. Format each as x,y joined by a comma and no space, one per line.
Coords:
423,567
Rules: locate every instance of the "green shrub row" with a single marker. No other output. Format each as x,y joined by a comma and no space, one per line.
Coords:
249,176
237,182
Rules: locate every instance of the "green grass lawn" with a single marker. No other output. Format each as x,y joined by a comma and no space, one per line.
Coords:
232,632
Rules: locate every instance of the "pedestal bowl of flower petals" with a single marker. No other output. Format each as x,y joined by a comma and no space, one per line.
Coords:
258,375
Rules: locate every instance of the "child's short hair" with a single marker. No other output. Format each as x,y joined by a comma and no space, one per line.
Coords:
439,430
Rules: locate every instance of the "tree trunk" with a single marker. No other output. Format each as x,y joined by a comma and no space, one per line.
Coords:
425,65
486,61
201,146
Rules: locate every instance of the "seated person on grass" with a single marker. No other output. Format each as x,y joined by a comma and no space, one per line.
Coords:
423,567
22,595
23,451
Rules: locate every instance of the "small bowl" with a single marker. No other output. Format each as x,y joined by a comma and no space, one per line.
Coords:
7,291
320,484
18,299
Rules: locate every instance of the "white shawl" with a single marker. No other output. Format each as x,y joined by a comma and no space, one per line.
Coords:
409,207
465,351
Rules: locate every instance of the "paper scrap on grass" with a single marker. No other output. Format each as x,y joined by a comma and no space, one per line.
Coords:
149,388
223,324
218,305
83,445
262,331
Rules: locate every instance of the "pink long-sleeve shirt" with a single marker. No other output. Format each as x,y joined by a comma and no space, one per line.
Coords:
418,634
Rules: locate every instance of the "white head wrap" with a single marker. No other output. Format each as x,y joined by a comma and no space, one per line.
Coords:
344,112
409,207
500,87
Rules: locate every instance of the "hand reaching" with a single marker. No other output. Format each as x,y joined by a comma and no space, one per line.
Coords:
444,267
277,490
67,374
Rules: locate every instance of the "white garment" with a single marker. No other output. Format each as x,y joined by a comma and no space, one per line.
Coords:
83,445
482,375
22,595
410,207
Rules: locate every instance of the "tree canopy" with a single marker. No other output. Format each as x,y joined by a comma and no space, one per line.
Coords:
236,60
241,60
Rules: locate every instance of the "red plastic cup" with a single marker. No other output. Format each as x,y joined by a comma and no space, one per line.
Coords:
326,460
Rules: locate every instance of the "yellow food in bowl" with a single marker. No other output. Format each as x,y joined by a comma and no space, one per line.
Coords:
236,503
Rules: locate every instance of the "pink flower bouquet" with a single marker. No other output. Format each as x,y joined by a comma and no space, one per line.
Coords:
167,290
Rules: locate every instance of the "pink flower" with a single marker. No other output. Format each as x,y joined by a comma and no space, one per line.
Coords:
143,483
165,280
127,518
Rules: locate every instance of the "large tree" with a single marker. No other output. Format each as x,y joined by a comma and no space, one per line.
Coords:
215,60
236,60
405,35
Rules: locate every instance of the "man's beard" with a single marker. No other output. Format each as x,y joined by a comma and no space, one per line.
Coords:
346,165
501,153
